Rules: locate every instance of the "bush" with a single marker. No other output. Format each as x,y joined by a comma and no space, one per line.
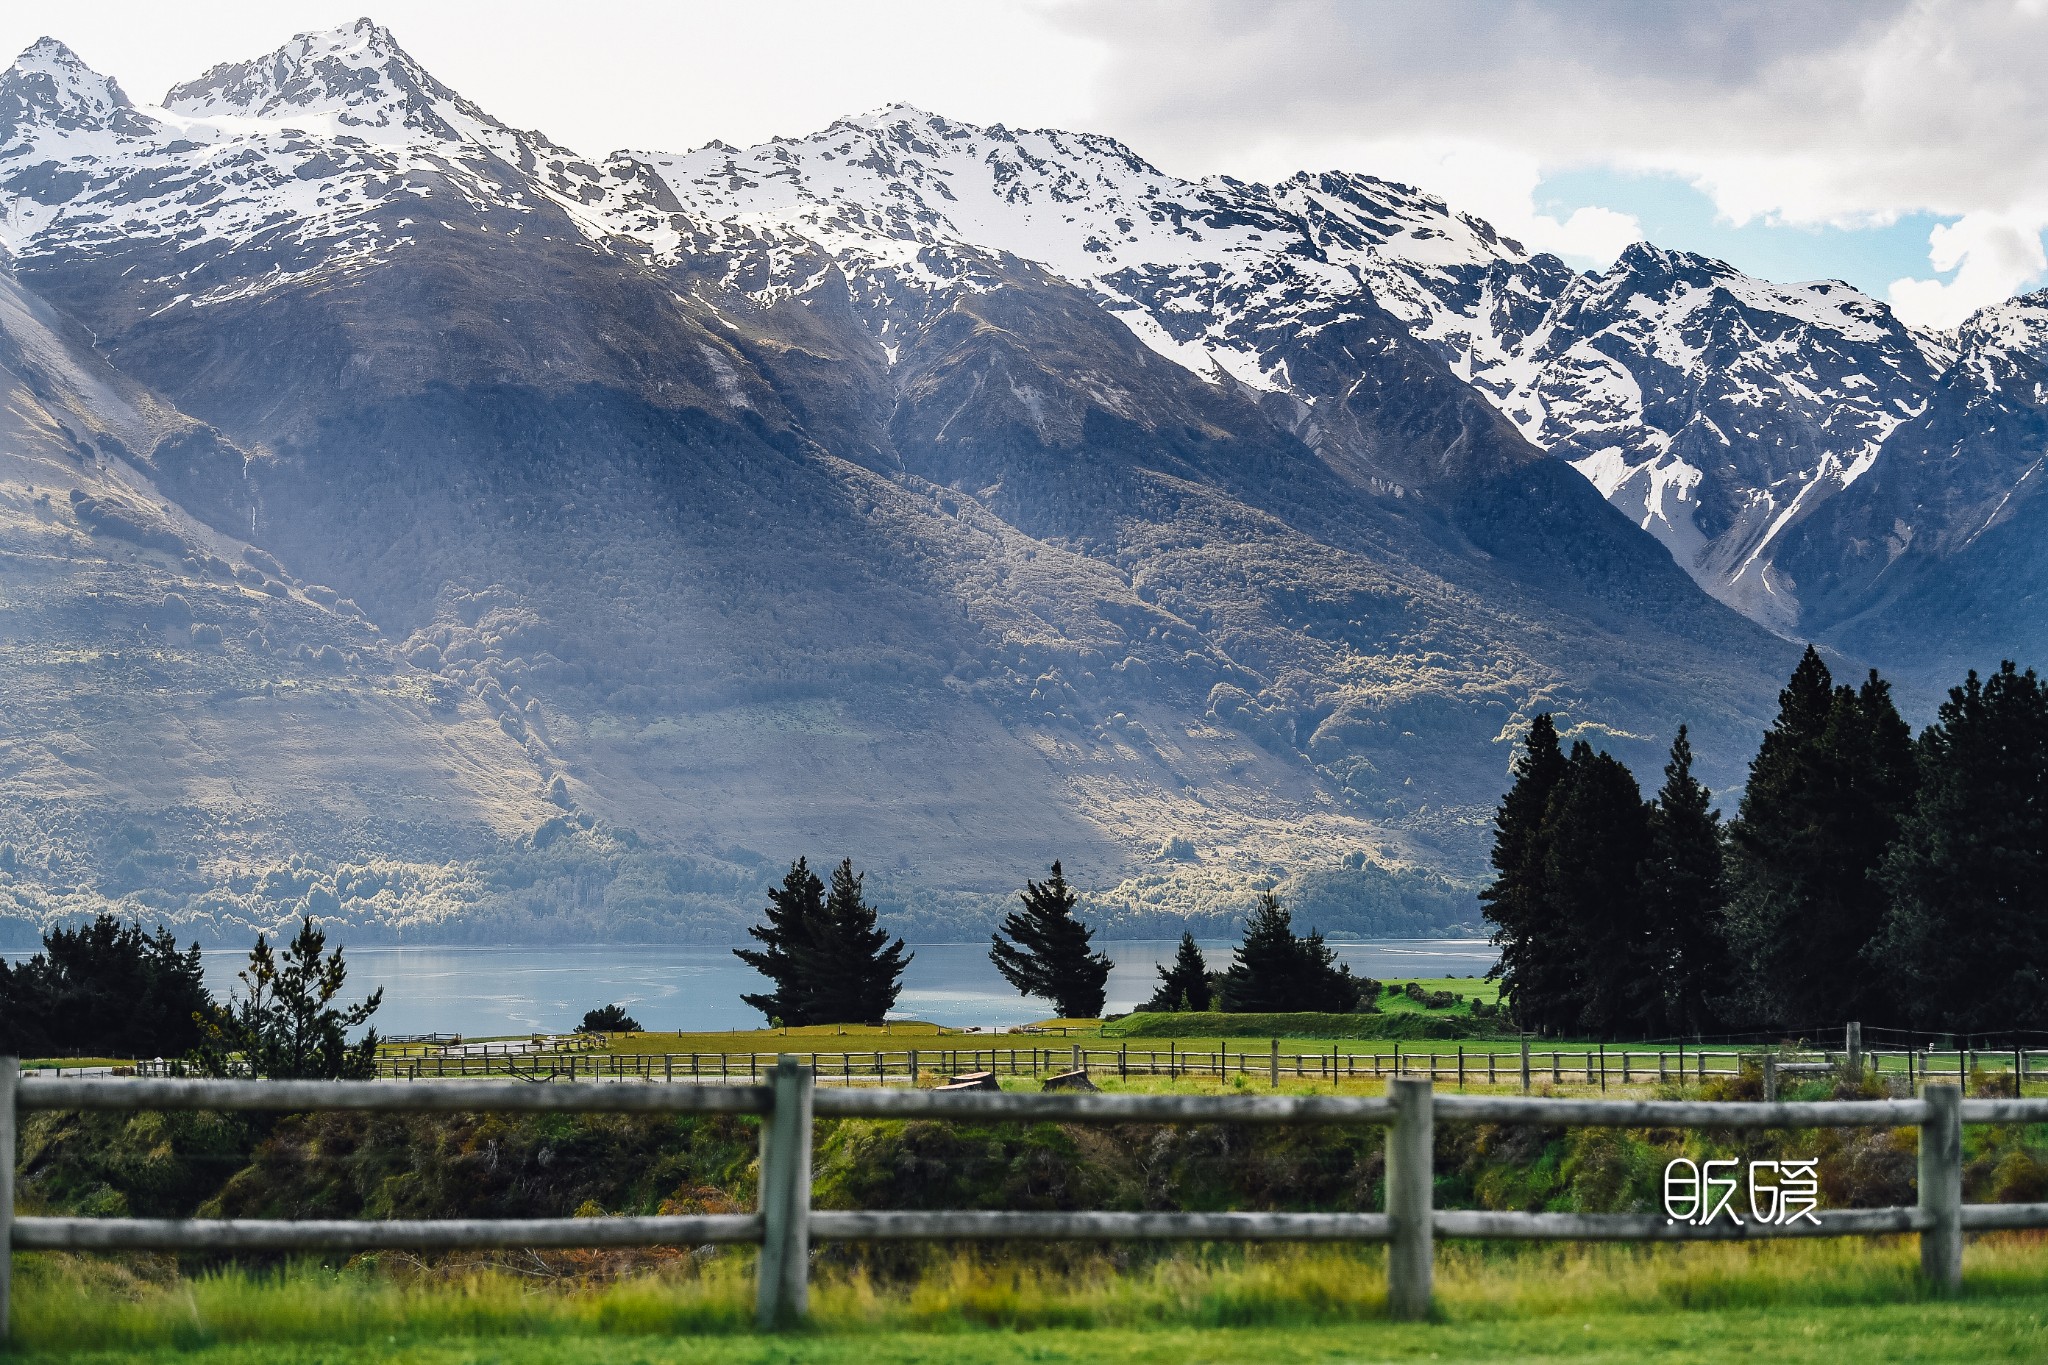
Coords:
1429,1000
609,1019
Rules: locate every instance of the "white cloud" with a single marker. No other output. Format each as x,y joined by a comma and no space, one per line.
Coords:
1992,255
1843,113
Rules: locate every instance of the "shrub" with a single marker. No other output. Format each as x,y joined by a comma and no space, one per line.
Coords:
1429,1000
609,1019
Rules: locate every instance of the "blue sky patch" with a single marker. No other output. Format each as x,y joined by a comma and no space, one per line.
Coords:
1674,214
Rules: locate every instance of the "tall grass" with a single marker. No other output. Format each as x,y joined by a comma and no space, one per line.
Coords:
74,1303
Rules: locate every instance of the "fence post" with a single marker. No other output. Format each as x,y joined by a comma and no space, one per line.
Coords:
782,1287
1770,1078
1852,1043
1077,1056
10,1079
1941,1187
1411,1144
1525,1064
1276,1064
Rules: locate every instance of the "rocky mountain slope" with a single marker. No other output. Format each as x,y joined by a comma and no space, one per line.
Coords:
1715,409
955,498
1935,559
183,719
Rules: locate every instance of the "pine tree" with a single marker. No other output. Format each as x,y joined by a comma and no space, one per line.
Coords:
1534,956
1275,972
1049,953
1827,791
853,973
287,1026
1683,899
796,911
1969,873
1595,835
1185,984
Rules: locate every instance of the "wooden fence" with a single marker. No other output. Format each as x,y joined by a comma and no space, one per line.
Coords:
1459,1065
785,1223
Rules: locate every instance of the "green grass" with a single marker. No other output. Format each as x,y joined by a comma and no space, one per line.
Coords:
1464,987
1781,1301
1208,1025
1964,1332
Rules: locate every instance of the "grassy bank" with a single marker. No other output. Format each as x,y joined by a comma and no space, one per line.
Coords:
1783,1300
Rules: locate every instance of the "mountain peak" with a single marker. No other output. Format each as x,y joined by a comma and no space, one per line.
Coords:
2017,324
49,87
357,75
1647,258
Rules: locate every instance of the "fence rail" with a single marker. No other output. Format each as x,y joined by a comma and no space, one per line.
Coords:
1444,1063
581,1058
788,1099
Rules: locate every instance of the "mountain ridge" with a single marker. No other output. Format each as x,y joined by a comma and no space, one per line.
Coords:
959,498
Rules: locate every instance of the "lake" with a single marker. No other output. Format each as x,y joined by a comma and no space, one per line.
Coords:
482,991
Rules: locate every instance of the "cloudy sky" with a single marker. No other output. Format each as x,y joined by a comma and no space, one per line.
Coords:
1899,144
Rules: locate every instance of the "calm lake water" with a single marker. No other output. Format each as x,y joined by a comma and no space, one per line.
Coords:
484,991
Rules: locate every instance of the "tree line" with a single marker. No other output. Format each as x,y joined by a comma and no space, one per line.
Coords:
1868,874
111,990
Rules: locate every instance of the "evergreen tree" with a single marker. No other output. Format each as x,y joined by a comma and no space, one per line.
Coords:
287,1026
1969,873
853,972
1683,901
1535,958
1274,972
105,989
1827,791
1595,835
1048,955
796,913
1185,984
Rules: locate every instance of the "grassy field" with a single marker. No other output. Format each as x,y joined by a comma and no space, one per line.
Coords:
1780,1301
1055,1035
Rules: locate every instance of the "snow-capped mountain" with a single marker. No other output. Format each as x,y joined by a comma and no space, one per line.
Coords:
1233,282
1934,557
959,497
323,155
1714,408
